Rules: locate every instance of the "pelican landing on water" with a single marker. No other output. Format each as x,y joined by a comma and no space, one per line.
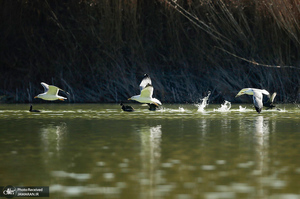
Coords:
258,97
146,89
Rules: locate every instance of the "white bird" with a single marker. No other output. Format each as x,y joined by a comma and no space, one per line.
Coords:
257,96
51,93
146,89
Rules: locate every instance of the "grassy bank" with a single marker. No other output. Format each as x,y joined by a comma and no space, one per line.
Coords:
99,50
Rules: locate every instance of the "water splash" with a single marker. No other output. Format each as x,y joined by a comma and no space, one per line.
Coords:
225,107
181,109
282,110
242,109
203,104
161,109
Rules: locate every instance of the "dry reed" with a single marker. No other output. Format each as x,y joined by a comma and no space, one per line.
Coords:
99,50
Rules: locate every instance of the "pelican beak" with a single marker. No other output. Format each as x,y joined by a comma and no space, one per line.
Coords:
239,94
129,99
61,99
35,97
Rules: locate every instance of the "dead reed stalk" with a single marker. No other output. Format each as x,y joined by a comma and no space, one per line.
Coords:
99,50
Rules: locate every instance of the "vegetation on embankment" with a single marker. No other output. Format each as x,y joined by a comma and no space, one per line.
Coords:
99,50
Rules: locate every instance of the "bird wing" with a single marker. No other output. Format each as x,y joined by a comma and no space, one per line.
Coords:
46,87
156,101
63,90
257,99
273,97
53,90
263,91
147,92
146,80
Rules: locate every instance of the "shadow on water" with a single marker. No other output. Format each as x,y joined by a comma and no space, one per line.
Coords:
97,150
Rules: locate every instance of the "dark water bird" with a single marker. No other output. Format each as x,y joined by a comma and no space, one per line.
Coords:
257,96
126,108
270,102
31,110
146,89
51,93
153,107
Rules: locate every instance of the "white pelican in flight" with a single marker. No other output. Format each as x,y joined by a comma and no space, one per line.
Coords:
257,96
51,93
146,89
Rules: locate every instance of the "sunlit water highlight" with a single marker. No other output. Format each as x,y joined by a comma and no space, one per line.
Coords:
99,151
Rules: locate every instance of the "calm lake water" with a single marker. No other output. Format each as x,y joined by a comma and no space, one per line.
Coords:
178,152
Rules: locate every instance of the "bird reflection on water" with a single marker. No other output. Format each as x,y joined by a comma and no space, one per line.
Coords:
150,156
52,136
90,150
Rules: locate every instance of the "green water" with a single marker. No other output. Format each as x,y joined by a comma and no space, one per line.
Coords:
178,152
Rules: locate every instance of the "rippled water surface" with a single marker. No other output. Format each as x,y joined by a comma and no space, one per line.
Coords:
178,152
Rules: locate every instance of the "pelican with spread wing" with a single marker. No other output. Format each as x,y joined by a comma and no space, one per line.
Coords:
146,89
51,93
257,96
